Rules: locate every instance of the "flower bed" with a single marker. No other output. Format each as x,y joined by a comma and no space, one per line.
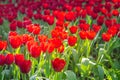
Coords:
59,39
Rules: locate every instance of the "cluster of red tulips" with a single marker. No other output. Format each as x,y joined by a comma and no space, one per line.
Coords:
44,36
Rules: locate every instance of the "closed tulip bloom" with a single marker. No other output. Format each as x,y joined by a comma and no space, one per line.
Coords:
18,59
15,41
115,12
9,59
83,34
44,46
91,35
73,29
3,45
1,21
2,59
96,28
106,37
35,51
58,64
36,29
13,25
42,38
50,48
72,40
12,33
25,66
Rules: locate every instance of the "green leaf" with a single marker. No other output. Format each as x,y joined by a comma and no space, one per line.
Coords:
75,55
33,77
107,73
101,72
89,20
6,72
116,65
70,75
47,69
87,62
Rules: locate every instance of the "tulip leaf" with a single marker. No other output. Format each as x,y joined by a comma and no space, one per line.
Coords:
33,77
70,75
75,55
101,72
89,20
6,72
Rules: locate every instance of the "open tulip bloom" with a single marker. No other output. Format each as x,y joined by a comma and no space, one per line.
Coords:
59,39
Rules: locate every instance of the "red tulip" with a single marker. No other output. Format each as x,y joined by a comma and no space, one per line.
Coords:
35,51
50,48
55,33
63,35
61,48
70,16
18,59
3,45
37,16
58,64
115,12
106,37
77,8
47,12
59,23
108,23
83,34
100,20
56,42
96,28
15,41
82,21
73,29
42,38
2,59
68,7
12,33
26,38
83,13
26,22
20,24
44,46
36,29
84,27
104,11
9,59
25,66
50,20
13,25
30,43
112,30
1,21
72,40
30,28
60,16
91,35
45,5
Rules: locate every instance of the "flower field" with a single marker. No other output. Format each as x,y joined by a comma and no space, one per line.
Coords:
59,39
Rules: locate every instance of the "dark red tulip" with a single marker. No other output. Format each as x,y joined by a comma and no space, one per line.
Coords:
19,59
9,59
58,64
2,59
25,66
